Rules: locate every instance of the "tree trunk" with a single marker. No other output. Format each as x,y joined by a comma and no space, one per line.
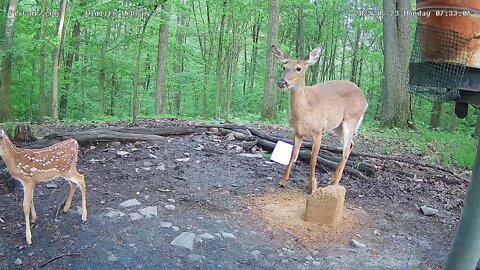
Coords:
356,46
453,119
232,67
219,68
56,61
162,62
41,71
253,58
136,74
102,72
269,111
477,125
436,117
178,66
5,100
395,99
68,68
299,36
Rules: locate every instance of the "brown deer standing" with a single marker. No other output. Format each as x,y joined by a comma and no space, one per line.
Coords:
334,105
30,166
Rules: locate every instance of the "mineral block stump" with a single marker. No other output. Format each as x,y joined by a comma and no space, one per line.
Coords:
325,205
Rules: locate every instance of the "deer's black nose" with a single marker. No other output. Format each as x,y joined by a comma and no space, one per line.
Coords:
282,83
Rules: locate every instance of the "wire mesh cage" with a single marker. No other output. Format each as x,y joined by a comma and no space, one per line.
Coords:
438,63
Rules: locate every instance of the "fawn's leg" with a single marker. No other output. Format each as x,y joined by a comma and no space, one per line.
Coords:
68,201
32,208
296,147
27,201
83,190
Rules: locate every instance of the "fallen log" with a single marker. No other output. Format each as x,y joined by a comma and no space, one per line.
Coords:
304,155
102,135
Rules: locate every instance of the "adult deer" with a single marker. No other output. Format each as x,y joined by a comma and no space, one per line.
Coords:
30,166
334,105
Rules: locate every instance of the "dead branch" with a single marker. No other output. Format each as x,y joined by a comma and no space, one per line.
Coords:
58,257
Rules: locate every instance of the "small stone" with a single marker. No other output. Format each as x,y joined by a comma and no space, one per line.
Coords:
428,211
51,185
206,236
103,202
148,212
112,258
285,261
185,240
165,224
2,254
152,156
316,263
135,216
256,252
114,213
170,207
116,143
160,167
30,254
228,236
171,200
130,203
195,257
356,244
289,252
251,155
18,262
146,168
92,147
122,153
175,228
309,258
182,159
230,137
147,164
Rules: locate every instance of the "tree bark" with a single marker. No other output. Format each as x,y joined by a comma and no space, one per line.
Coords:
477,125
219,67
5,100
299,35
180,37
102,69
354,70
162,62
41,71
269,111
253,58
56,61
232,65
436,116
395,99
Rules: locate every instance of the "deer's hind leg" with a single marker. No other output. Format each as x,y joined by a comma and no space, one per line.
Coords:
78,180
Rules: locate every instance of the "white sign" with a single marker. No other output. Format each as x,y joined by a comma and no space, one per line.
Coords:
282,153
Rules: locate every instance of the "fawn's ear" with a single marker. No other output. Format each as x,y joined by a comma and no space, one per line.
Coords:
283,58
313,56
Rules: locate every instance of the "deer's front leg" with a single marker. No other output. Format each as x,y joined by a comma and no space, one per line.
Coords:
296,147
316,141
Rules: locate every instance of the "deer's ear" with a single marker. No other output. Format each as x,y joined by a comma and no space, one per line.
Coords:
283,58
313,56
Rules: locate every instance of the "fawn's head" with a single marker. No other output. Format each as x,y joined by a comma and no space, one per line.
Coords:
294,70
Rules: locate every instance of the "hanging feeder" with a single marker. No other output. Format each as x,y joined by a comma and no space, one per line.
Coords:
445,60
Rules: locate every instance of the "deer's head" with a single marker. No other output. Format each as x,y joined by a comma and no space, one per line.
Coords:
294,70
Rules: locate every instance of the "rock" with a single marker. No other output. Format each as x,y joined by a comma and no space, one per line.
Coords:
185,240
122,153
92,147
182,159
316,263
114,213
112,258
206,236
356,244
130,203
147,164
51,185
230,137
30,254
103,202
148,212
289,252
2,254
135,216
256,252
309,258
199,148
171,200
152,156
160,167
285,261
195,257
428,211
165,224
175,228
251,155
116,143
18,262
170,207
146,168
228,236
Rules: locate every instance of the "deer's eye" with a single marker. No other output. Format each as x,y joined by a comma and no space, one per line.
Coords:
299,69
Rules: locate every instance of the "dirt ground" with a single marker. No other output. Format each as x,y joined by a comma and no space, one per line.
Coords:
234,198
